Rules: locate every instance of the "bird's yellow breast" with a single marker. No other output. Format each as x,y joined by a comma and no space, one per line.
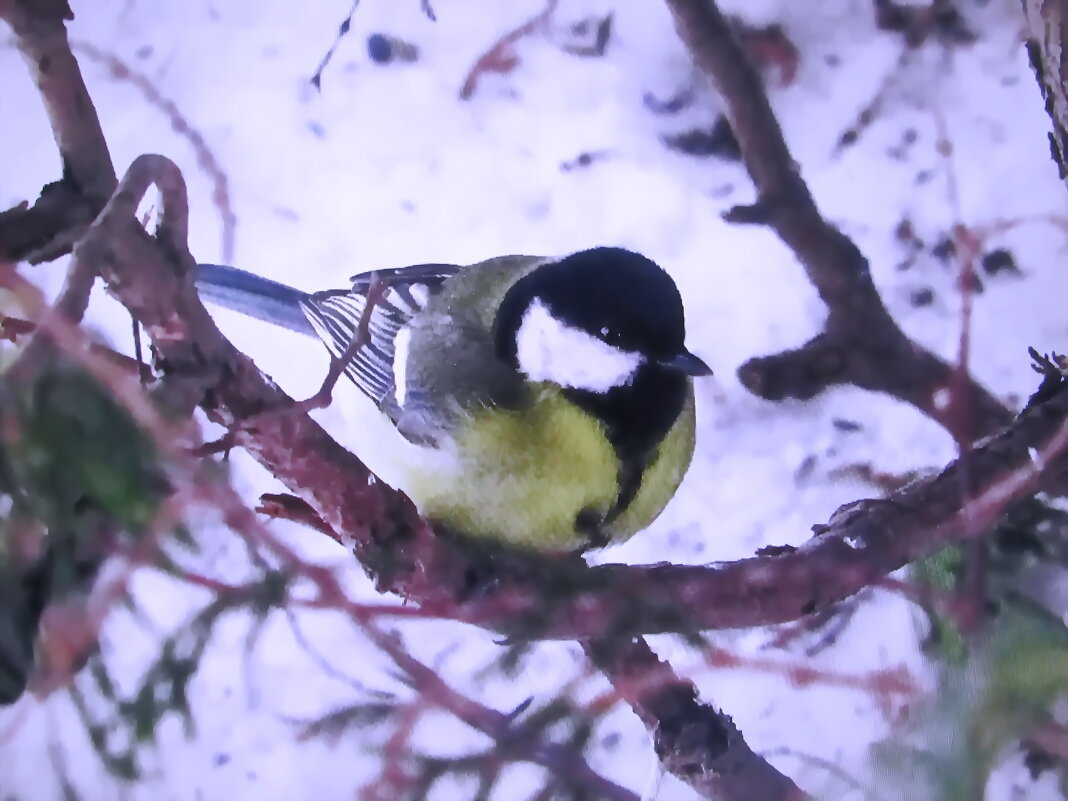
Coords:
525,476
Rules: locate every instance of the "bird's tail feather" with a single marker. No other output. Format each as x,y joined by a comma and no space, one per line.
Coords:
254,296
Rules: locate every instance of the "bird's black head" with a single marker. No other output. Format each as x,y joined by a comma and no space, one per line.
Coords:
591,320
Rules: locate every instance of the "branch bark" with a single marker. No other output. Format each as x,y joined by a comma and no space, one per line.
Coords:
1047,28
693,740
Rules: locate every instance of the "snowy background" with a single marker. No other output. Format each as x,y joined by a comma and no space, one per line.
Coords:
386,167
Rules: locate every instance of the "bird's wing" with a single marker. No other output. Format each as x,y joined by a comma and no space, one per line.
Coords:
336,316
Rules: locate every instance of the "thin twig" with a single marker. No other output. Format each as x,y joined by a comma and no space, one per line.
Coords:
522,743
972,581
316,79
70,306
501,56
376,288
296,510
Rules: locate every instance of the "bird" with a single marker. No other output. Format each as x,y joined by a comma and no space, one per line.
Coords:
542,403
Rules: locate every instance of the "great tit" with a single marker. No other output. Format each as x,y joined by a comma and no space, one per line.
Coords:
543,402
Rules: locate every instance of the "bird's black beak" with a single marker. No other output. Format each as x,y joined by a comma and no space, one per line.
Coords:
686,363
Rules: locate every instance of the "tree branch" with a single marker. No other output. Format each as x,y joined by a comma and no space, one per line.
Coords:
861,344
533,595
1047,26
861,543
51,225
694,741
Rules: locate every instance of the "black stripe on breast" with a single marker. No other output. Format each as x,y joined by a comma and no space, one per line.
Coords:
636,417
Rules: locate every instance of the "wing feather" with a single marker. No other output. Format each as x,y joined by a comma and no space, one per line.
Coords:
336,315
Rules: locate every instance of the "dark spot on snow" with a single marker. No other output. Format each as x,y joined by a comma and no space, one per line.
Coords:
582,160
945,248
806,468
379,48
718,140
905,233
919,298
999,260
383,49
593,34
672,105
849,426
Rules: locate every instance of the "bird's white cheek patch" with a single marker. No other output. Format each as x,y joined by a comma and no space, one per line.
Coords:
401,344
549,350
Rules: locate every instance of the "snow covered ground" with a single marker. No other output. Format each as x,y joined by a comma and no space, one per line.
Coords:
386,166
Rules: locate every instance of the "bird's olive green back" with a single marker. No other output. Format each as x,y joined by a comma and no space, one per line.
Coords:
481,287
452,366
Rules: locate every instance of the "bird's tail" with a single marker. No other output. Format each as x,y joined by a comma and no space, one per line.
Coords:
253,296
